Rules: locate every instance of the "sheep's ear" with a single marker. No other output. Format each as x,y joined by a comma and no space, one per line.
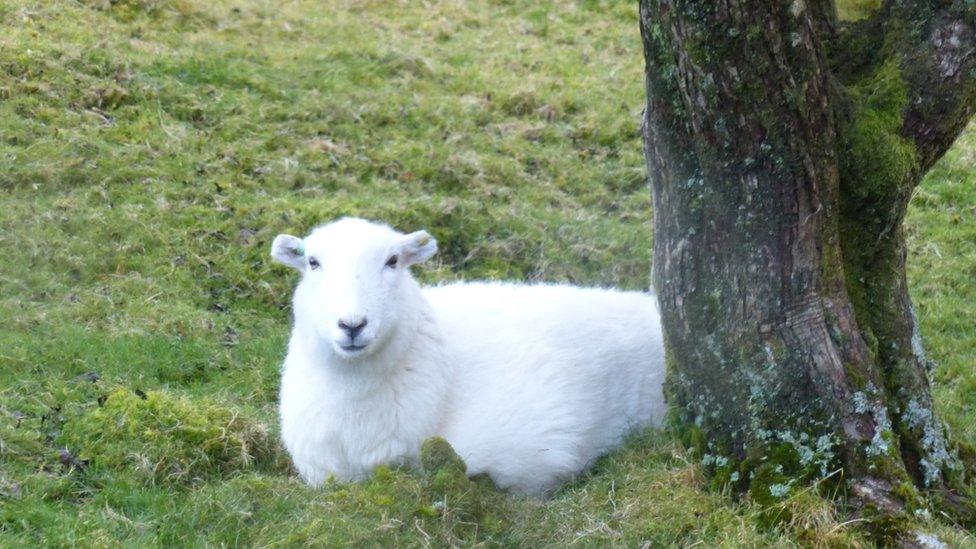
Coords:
289,250
418,247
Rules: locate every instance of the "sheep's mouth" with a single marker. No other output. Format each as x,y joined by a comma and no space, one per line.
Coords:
352,348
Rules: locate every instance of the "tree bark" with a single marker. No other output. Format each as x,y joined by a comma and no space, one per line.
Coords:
782,148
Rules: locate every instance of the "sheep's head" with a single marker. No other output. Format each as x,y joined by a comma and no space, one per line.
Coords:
353,276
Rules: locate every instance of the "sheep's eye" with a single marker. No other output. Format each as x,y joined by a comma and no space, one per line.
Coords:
313,263
392,262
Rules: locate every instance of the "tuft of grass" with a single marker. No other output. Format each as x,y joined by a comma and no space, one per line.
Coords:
150,150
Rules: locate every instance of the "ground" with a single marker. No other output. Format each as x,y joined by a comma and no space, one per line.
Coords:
151,149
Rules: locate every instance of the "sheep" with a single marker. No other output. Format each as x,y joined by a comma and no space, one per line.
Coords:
529,383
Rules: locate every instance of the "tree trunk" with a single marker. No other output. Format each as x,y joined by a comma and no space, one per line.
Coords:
782,148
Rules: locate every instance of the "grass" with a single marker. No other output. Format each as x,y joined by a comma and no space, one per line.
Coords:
151,149
853,10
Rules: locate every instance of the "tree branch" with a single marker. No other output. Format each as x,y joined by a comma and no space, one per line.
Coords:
823,14
934,45
937,49
909,77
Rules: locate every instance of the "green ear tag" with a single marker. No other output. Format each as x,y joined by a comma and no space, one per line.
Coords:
300,249
423,241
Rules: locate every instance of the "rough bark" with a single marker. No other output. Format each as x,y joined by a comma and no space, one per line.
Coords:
782,148
907,107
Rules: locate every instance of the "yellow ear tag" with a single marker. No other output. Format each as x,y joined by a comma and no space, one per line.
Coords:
423,241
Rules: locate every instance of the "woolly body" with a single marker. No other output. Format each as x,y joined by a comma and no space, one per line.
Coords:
529,383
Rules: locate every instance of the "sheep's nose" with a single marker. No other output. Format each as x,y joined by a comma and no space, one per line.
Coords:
352,327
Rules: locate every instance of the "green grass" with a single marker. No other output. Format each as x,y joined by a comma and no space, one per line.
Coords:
853,10
151,149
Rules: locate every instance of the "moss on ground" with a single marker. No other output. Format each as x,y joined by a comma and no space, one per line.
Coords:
160,437
151,149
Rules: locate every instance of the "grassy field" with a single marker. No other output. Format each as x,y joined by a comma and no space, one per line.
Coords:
151,149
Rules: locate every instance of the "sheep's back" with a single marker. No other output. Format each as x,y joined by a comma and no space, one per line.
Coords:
548,377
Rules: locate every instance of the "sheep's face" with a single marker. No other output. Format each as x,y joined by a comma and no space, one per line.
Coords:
353,274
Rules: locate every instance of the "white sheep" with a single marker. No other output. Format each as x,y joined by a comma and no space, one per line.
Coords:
529,383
